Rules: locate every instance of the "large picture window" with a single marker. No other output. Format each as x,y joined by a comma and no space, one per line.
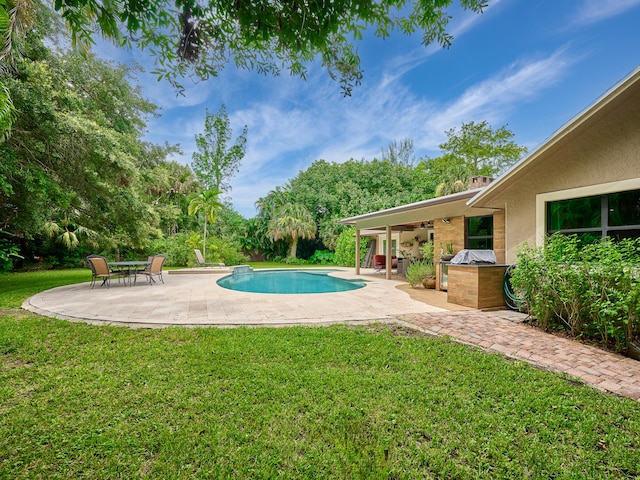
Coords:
479,233
616,215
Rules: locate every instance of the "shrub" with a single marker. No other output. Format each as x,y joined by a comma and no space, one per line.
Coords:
221,250
592,291
177,249
323,257
428,252
346,248
8,251
418,271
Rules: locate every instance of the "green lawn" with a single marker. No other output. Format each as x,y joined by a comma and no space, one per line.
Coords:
79,401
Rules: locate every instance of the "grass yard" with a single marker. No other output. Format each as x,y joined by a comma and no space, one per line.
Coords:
80,401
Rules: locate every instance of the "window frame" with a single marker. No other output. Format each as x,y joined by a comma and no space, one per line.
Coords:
467,237
576,192
604,229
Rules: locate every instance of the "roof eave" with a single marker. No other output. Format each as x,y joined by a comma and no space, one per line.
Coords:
410,206
558,136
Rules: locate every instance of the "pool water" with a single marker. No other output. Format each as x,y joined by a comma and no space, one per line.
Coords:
287,281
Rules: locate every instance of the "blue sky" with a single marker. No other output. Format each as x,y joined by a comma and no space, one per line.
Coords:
531,65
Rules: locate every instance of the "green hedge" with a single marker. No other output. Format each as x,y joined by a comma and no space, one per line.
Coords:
590,291
346,248
179,250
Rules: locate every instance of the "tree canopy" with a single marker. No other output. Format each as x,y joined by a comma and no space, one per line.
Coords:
474,149
215,163
265,35
75,167
292,222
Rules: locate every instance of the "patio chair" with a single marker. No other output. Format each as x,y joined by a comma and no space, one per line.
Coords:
201,263
100,269
154,269
380,262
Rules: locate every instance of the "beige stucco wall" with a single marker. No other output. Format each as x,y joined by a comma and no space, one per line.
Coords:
601,156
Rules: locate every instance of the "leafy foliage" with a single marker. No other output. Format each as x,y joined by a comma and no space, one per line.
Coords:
346,249
474,149
263,35
323,257
76,163
332,191
206,201
418,271
214,163
8,252
591,291
76,147
292,222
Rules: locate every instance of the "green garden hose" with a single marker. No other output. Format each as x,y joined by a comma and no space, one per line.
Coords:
512,301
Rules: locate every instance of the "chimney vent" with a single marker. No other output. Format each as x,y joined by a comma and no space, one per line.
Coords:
479,181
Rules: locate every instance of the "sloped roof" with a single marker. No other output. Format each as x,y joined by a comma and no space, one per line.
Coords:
611,100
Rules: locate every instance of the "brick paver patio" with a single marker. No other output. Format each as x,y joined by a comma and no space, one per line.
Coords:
502,332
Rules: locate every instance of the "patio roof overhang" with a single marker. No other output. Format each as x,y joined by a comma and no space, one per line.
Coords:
410,216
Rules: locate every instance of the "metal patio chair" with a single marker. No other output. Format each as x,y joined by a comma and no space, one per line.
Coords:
154,269
100,269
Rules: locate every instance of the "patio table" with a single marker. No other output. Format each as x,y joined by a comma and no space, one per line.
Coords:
130,267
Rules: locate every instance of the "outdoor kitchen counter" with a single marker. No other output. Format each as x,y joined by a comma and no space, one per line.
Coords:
476,285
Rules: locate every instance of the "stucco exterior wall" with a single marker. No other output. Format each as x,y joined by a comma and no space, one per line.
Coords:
600,157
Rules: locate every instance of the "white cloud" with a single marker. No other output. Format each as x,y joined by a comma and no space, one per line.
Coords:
593,11
494,98
286,137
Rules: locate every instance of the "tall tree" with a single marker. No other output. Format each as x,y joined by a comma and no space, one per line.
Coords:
481,149
16,17
265,35
474,149
291,222
168,185
76,148
400,153
215,163
206,201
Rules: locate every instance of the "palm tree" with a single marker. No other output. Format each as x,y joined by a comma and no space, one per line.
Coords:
206,201
454,180
68,232
292,222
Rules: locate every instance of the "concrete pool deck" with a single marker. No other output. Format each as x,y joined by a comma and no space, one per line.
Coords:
197,300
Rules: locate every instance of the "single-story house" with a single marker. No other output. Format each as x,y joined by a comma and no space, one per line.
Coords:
584,179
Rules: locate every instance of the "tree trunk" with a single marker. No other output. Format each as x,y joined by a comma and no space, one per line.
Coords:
294,247
204,243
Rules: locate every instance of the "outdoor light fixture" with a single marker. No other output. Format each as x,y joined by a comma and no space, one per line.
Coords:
445,220
422,226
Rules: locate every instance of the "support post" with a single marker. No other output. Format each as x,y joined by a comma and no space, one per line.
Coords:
388,253
357,251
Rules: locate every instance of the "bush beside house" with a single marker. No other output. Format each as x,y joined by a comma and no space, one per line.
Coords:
592,292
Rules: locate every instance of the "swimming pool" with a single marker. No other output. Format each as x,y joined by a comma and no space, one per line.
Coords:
287,282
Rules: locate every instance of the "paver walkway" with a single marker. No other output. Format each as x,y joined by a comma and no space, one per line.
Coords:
497,331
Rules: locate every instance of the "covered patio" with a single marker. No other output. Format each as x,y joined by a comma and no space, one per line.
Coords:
445,221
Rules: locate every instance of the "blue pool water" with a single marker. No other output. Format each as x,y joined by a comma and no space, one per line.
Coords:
287,281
